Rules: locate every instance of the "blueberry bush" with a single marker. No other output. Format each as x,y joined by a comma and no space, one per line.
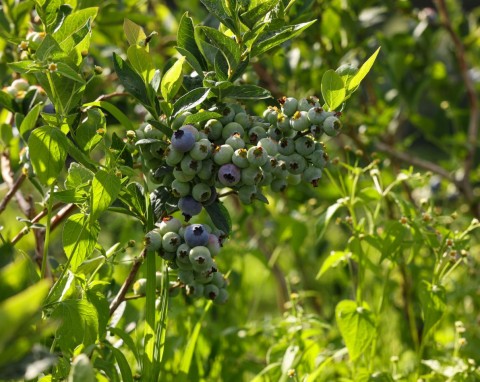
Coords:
217,191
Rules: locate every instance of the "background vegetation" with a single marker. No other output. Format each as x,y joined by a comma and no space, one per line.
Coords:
391,225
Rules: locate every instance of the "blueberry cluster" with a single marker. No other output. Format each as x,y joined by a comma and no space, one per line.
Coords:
191,250
242,152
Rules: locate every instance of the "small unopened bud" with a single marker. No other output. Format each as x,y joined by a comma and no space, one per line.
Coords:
98,69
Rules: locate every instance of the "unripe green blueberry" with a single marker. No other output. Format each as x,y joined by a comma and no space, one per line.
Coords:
289,105
222,296
257,156
219,280
267,179
172,156
239,158
267,112
256,133
183,251
152,132
236,107
211,292
213,128
286,146
10,90
278,184
184,266
246,194
304,145
223,154
153,240
139,134
201,192
201,150
186,277
140,287
316,115
232,128
269,145
200,258
252,175
157,150
318,158
243,119
283,123
236,141
274,133
195,290
169,224
305,104
332,126
182,176
190,166
272,116
294,179
158,280
228,113
280,170
206,172
180,189
296,164
299,121
312,175
171,241
316,131
204,277
270,165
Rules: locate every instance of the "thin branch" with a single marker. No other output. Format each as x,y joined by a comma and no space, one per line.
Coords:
13,190
41,215
128,282
7,175
111,95
470,89
413,160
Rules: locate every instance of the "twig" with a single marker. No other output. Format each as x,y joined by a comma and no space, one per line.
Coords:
407,158
111,95
469,86
42,214
7,175
128,282
13,190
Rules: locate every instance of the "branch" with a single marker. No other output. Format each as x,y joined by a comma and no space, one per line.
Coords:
410,159
128,282
13,190
7,175
470,89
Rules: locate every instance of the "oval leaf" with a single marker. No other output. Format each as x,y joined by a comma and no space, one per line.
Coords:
172,80
105,189
333,89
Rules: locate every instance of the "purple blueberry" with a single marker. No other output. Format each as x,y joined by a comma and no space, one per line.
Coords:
189,207
183,140
229,175
196,235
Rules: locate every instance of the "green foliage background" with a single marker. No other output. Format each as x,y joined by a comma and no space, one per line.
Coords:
390,228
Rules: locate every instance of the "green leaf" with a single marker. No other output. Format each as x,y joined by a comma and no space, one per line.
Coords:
123,365
346,73
201,116
114,111
362,72
218,10
48,151
91,130
221,66
78,324
70,196
357,326
49,49
172,80
160,126
131,80
220,216
8,102
26,66
30,120
246,92
208,50
78,176
75,28
122,152
433,304
332,261
79,239
186,41
105,189
141,61
270,39
81,370
67,71
333,89
257,13
226,45
134,33
190,100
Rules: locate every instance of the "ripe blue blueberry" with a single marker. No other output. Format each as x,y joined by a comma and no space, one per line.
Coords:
196,235
229,175
183,140
189,207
